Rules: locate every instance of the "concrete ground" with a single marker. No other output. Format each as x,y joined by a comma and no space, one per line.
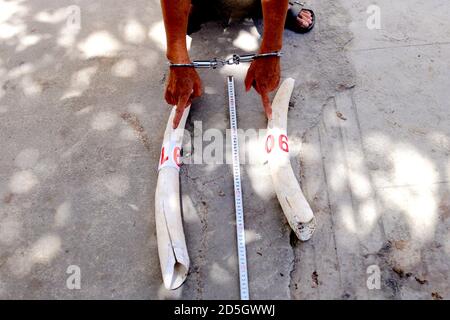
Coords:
82,118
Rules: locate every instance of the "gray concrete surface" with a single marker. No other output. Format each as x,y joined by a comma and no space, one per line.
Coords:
82,119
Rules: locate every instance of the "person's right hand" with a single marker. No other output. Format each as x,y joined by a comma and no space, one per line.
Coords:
183,85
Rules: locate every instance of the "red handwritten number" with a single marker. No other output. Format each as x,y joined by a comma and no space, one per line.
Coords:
269,147
163,159
176,156
283,141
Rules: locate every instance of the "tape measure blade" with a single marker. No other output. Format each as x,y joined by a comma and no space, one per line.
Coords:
242,255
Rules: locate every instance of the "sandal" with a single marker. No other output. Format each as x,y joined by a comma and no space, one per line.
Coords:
292,15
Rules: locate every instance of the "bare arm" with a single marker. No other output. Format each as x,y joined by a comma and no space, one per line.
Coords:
176,14
274,15
264,73
183,84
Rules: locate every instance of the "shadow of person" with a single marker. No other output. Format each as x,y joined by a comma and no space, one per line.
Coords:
224,12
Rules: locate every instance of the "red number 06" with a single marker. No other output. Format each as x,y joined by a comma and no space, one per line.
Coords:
282,142
269,143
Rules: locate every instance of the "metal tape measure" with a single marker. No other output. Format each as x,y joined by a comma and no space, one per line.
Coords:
242,255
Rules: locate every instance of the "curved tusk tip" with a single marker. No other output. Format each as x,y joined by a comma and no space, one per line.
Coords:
173,280
305,231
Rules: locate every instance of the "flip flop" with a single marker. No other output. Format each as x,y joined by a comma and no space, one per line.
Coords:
293,13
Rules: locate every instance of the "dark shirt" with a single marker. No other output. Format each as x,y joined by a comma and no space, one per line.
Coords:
230,8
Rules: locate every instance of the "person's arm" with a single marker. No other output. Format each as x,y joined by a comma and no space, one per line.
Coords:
274,15
264,73
176,15
183,83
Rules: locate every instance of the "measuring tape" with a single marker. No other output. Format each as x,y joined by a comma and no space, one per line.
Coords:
242,255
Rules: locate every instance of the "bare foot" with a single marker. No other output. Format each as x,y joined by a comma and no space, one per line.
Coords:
304,19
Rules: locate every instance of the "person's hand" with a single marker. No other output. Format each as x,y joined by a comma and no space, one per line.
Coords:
264,76
183,85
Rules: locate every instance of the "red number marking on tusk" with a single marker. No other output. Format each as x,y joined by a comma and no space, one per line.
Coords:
272,142
163,159
283,141
176,155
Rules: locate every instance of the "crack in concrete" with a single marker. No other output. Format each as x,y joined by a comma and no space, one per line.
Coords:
139,130
292,284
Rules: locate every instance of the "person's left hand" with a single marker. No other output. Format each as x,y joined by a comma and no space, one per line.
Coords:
264,76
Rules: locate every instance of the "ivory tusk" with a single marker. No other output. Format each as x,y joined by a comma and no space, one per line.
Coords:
173,255
295,207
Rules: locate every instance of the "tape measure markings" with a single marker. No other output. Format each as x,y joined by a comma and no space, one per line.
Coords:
242,255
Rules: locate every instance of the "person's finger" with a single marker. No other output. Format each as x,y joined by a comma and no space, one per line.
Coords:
181,105
178,114
259,87
267,105
249,80
183,100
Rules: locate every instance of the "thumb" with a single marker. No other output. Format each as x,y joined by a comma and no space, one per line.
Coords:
182,102
267,105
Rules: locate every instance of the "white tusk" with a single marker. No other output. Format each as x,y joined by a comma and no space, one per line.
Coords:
173,255
295,207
